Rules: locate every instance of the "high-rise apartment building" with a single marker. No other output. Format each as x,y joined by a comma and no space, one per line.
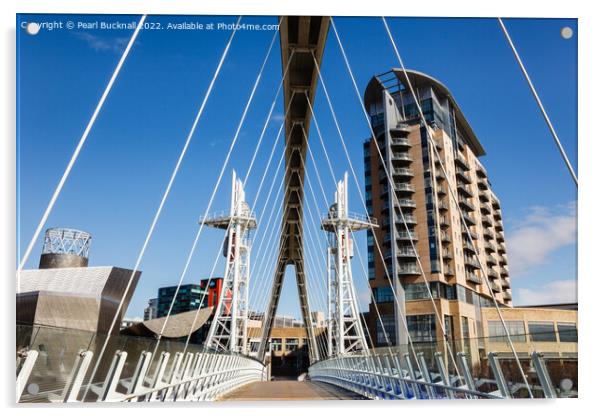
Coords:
410,180
150,312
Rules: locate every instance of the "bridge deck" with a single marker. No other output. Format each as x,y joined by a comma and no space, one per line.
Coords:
290,390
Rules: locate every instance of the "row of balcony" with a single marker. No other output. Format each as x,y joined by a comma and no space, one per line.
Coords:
464,202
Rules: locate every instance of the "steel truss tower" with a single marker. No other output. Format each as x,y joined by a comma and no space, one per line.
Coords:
345,333
228,330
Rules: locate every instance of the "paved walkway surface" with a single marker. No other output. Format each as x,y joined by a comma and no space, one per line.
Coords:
290,390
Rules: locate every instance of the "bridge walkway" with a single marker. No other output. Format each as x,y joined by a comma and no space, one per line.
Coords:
290,390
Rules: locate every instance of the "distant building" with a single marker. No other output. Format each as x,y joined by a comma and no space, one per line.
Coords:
128,322
214,288
188,299
150,312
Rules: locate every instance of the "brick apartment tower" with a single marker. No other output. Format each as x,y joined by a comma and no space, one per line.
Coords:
449,261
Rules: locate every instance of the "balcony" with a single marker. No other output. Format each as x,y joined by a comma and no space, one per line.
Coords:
401,129
491,261
406,236
405,252
499,226
501,247
446,254
471,277
486,220
471,262
408,270
404,172
473,235
404,187
503,271
488,234
404,203
469,219
503,259
441,190
443,222
505,284
448,271
507,296
401,157
443,205
496,287
463,175
409,219
495,202
482,183
497,214
481,172
445,237
400,141
493,274
483,196
489,248
500,236
485,209
465,190
464,202
461,160
467,246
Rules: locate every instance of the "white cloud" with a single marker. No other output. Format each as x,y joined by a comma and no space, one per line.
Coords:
100,44
542,231
557,291
278,117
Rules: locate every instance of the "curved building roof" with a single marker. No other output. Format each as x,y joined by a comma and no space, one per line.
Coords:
418,79
179,325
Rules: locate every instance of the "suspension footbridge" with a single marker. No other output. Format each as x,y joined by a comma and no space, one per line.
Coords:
345,362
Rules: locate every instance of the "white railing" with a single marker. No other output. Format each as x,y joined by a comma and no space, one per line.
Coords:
192,377
383,377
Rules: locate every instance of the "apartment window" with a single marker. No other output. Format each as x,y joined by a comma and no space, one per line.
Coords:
542,331
415,291
515,328
421,328
277,344
567,332
292,344
385,330
449,326
465,328
383,294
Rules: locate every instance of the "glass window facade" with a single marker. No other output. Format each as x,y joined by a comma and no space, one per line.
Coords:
498,334
542,331
422,328
386,333
383,294
567,332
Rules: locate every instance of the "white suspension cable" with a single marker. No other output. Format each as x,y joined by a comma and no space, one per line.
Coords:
446,344
465,226
79,147
163,199
567,162
372,228
223,169
315,166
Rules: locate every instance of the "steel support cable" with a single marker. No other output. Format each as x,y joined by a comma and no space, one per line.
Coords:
259,189
372,228
539,103
352,235
446,344
213,194
80,145
453,197
164,198
326,238
316,124
252,209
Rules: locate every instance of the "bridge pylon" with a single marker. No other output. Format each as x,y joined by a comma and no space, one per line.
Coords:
228,331
345,332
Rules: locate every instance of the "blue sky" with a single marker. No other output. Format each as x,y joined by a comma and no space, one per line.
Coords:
117,183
